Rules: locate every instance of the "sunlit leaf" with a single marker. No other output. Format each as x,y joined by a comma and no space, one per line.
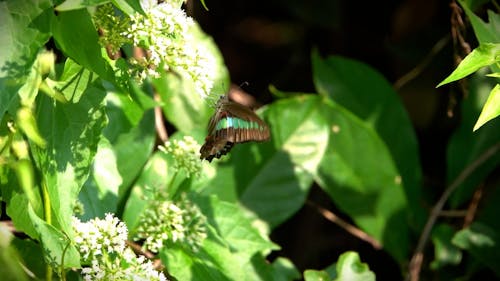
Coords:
491,108
484,55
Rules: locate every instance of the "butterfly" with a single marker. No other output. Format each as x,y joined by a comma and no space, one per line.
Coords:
231,123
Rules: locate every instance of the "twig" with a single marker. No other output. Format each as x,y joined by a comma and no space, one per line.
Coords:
159,124
346,226
453,213
416,261
471,211
139,251
412,74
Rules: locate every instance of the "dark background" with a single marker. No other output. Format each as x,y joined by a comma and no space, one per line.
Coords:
270,42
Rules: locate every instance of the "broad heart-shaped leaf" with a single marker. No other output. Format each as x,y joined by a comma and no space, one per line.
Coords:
232,224
56,244
76,35
484,55
482,242
183,106
24,29
359,174
72,132
485,32
232,251
466,146
491,108
130,136
272,179
368,95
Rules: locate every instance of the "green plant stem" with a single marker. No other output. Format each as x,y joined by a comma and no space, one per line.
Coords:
48,218
417,258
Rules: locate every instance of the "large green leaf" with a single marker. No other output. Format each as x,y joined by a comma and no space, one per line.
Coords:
359,174
72,132
130,136
233,225
56,243
232,251
70,29
367,94
24,29
272,179
466,146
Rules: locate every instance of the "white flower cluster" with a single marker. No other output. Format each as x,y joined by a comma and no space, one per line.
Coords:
185,154
102,244
164,221
166,33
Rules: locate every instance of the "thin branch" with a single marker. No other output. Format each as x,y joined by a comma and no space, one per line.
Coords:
453,213
161,130
416,261
471,211
412,74
346,226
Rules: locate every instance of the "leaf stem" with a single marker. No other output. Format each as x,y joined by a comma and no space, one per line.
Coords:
417,258
47,212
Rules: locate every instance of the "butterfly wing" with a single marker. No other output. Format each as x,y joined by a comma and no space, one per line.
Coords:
232,123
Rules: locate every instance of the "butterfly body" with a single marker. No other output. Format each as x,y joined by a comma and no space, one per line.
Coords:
232,123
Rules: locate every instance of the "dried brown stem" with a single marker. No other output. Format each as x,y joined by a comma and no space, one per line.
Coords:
346,226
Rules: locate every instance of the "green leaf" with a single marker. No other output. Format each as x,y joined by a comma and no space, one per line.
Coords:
285,270
130,135
359,174
485,32
466,146
350,267
157,173
233,250
366,93
316,275
69,5
99,194
234,226
445,253
12,266
73,81
70,42
17,201
272,178
484,55
24,30
72,132
482,242
31,254
56,244
491,108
